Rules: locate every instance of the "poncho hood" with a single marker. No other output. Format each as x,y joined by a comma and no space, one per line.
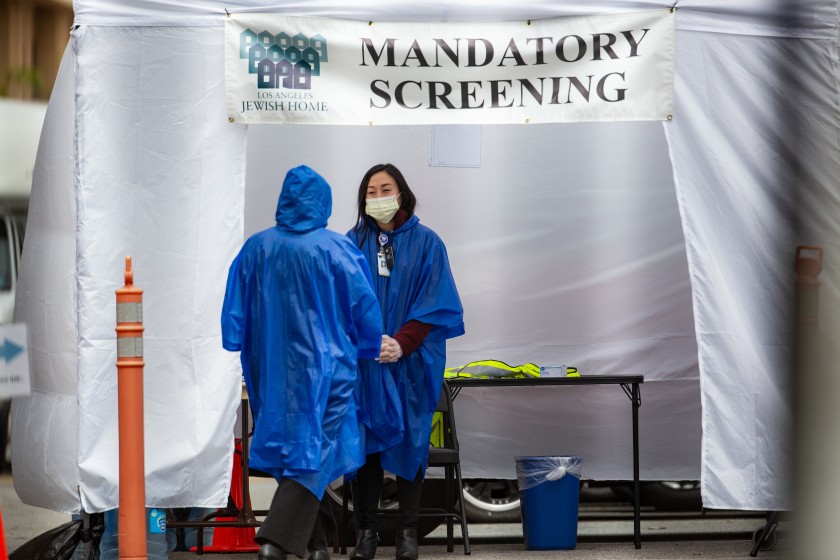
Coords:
305,201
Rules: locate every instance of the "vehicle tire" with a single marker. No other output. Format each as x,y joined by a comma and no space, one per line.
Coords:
6,436
664,495
432,496
492,501
673,495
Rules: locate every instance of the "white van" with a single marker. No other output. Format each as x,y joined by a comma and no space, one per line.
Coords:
12,230
19,138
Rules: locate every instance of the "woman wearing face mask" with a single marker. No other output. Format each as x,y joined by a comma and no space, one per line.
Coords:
398,392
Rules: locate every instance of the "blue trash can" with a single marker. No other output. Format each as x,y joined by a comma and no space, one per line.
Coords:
549,492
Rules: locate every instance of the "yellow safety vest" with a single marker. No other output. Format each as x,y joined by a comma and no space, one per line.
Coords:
485,369
496,368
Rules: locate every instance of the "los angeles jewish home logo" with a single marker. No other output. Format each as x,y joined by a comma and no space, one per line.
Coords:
282,61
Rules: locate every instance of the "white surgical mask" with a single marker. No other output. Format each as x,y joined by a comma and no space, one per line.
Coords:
382,209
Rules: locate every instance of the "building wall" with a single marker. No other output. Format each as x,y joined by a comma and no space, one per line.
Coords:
33,36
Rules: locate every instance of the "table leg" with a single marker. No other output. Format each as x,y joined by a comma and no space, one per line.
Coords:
637,524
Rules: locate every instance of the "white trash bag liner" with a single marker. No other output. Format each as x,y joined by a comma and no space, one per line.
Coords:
532,471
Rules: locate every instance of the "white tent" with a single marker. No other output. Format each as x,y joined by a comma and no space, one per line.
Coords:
664,249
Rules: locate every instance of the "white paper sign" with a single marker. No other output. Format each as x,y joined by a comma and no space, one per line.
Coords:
455,145
284,69
14,361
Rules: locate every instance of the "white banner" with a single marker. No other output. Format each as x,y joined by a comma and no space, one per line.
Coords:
282,69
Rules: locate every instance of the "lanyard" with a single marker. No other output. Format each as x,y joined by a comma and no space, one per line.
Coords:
385,256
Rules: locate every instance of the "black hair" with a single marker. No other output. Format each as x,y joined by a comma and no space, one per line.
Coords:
407,199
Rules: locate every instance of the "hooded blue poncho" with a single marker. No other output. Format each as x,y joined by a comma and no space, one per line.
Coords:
300,309
397,400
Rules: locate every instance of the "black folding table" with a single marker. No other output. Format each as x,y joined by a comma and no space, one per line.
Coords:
630,385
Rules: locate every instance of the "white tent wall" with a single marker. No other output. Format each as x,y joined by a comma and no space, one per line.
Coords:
558,259
168,192
161,171
756,163
44,424
160,174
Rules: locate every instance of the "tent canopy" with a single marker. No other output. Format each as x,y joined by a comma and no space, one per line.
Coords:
657,248
780,18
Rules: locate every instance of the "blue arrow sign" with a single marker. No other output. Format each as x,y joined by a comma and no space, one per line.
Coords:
9,350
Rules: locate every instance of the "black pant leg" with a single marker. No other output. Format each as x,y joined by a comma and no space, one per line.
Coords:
369,490
408,493
290,518
325,526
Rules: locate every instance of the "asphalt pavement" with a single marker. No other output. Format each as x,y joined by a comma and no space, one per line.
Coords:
608,536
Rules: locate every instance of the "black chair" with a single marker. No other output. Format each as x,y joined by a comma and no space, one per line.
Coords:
448,457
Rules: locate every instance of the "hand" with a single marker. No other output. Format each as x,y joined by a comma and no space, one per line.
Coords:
390,351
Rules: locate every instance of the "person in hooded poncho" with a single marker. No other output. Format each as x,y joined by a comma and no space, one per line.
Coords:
399,392
300,309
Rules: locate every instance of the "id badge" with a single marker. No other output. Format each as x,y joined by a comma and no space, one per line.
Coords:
382,264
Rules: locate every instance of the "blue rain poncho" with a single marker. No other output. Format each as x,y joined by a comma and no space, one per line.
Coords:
397,400
300,309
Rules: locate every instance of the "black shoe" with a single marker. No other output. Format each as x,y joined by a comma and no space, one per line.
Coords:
366,549
319,554
270,551
407,544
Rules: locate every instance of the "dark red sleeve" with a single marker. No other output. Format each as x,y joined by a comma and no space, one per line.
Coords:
411,336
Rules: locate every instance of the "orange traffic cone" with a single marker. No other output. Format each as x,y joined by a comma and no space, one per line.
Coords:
3,554
234,539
